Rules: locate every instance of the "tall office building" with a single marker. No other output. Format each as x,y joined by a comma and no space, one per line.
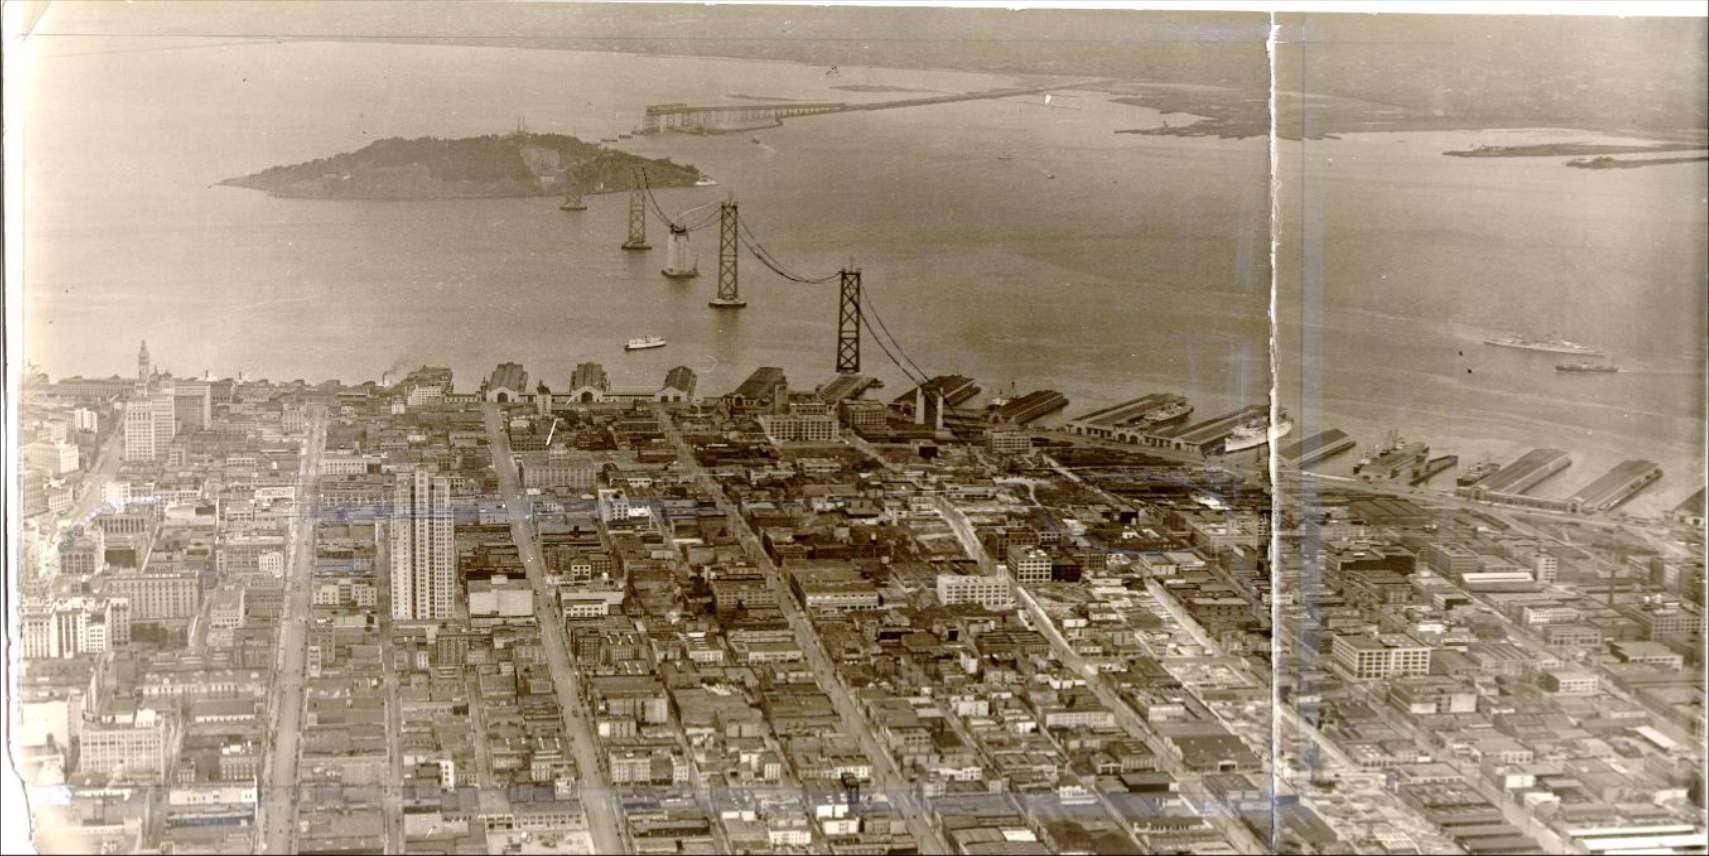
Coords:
424,559
193,404
149,426
163,402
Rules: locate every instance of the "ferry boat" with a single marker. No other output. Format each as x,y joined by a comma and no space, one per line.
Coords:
1257,432
1600,368
1547,344
644,343
705,181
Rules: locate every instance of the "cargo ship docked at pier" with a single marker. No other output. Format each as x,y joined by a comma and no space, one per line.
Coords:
1258,432
1547,344
1477,473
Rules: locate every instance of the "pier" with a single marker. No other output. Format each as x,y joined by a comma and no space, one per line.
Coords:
1318,447
700,119
1030,407
719,118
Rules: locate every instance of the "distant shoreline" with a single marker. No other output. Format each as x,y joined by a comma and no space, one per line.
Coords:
1611,163
1546,150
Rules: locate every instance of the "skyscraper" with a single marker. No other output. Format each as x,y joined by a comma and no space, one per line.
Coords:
143,369
424,559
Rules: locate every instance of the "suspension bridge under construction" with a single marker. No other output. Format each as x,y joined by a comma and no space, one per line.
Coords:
854,310
933,396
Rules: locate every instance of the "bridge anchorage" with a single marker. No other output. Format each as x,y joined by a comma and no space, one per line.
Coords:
679,259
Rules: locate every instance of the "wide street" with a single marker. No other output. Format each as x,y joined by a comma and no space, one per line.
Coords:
605,819
887,778
285,707
1210,809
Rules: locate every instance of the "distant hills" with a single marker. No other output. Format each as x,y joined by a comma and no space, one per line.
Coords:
520,164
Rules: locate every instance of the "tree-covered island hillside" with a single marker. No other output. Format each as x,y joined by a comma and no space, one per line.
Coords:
520,164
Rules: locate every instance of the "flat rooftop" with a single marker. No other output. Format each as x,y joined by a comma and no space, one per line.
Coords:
1129,411
1218,427
1311,445
1618,481
1525,472
846,386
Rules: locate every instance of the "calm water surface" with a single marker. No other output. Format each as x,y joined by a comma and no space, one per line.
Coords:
1101,265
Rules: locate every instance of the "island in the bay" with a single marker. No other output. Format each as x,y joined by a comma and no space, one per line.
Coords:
511,165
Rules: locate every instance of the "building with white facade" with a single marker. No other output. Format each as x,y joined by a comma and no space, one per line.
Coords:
989,592
424,558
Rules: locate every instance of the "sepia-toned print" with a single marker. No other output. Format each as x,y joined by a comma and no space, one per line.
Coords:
667,428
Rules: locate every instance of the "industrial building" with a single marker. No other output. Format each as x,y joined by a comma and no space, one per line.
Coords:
1521,475
1127,422
1617,486
1317,447
1030,407
1204,437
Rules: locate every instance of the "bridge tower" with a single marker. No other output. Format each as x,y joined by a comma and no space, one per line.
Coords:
638,215
848,322
729,293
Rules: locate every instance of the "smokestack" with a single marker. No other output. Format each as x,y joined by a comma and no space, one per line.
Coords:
919,405
938,417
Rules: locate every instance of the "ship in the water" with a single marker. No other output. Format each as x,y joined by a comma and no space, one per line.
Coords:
1589,368
705,181
1392,442
1258,432
644,343
1548,344
1166,413
1477,472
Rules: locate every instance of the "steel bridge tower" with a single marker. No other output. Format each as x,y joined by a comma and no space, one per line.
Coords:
729,293
848,322
638,215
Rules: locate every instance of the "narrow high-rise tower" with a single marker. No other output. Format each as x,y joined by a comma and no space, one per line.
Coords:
424,559
143,369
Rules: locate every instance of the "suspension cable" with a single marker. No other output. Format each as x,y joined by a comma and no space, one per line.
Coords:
770,261
865,307
917,381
